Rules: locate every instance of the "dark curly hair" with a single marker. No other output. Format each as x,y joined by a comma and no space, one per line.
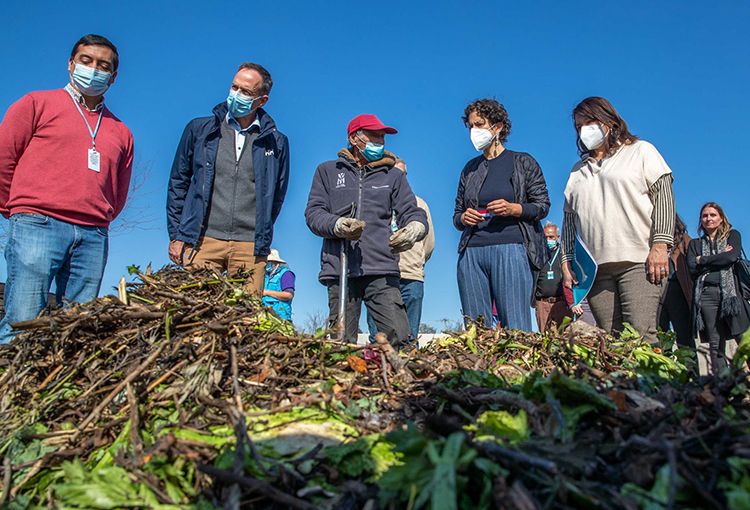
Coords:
598,109
491,110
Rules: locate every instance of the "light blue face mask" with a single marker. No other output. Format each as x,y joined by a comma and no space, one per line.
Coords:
239,104
90,81
551,244
373,151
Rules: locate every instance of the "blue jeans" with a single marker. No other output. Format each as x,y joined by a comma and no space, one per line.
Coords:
499,273
412,292
40,248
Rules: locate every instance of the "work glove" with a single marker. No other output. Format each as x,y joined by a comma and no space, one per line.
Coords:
349,228
404,238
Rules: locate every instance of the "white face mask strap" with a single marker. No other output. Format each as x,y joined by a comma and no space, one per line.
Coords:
495,136
358,136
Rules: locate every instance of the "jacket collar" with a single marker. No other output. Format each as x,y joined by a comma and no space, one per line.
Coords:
387,161
267,123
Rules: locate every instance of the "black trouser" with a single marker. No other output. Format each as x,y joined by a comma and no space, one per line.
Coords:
715,329
382,297
674,309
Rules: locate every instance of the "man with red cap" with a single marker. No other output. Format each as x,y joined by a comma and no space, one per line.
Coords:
364,174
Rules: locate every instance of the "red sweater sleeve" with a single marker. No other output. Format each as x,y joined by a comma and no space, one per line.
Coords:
568,296
16,131
124,173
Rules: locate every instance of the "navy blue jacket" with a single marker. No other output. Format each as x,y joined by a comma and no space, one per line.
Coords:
530,191
192,178
379,189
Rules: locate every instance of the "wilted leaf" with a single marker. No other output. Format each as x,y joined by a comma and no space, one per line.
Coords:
357,364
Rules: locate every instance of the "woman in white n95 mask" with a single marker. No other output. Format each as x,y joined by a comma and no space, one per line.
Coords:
501,199
619,201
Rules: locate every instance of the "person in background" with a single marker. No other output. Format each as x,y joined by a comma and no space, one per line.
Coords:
278,288
411,267
582,312
677,299
720,312
364,174
228,182
552,299
65,167
501,198
619,200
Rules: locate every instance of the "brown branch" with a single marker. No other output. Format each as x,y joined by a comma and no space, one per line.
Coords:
257,486
130,378
135,439
58,321
7,477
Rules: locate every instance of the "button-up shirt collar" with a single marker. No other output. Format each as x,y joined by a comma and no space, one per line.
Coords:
240,134
78,98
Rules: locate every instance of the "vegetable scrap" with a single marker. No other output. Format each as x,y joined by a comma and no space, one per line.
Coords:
185,392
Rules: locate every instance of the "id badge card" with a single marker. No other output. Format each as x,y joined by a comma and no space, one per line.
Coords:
550,275
94,160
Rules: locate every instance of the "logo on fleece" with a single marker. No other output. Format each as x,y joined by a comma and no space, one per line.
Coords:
341,181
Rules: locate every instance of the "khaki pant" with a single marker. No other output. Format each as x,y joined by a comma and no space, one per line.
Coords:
547,313
622,293
230,256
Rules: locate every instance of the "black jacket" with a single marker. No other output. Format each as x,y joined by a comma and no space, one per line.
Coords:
379,190
530,191
192,178
738,323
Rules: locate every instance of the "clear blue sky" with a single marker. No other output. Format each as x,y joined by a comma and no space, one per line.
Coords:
678,72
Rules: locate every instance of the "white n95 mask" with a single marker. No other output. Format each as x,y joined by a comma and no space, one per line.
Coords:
481,138
592,136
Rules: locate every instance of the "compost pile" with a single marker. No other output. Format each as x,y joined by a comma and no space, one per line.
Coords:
184,393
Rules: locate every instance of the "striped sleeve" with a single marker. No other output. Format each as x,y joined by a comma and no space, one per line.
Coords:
663,217
568,241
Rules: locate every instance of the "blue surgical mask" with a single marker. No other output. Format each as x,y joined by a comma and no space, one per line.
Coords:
239,104
373,151
551,244
269,268
90,81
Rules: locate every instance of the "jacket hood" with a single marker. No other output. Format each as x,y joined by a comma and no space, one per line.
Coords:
266,122
388,159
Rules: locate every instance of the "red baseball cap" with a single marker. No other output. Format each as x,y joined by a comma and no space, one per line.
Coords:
369,122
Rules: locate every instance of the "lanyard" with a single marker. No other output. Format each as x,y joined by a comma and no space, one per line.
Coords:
557,252
96,129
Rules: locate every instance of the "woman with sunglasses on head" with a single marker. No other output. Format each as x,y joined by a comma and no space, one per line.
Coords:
619,200
502,196
720,313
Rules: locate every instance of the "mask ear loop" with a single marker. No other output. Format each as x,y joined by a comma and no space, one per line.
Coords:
497,137
358,137
607,137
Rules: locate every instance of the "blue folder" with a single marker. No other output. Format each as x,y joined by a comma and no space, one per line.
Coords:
585,268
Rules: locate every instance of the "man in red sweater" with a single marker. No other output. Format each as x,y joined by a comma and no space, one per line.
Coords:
65,165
